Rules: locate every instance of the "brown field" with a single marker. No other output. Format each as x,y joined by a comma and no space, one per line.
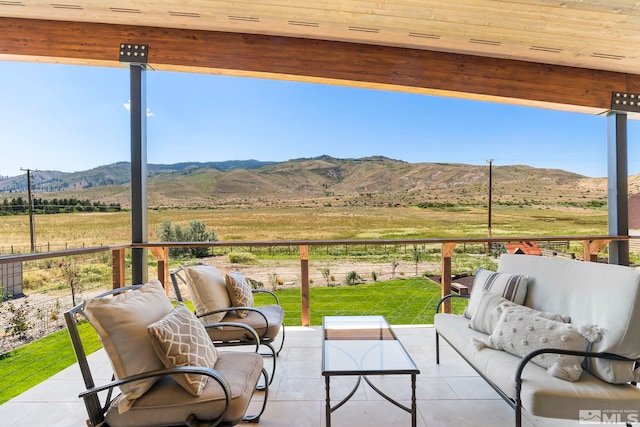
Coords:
317,223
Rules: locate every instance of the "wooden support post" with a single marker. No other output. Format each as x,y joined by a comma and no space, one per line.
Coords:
592,248
445,279
117,266
162,255
304,289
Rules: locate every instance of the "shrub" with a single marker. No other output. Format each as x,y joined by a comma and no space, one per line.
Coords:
241,258
352,278
195,231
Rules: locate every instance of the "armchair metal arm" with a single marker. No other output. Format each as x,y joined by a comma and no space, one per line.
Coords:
265,291
598,355
447,297
248,328
228,309
211,373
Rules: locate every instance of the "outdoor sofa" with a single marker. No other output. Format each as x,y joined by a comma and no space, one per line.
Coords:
562,311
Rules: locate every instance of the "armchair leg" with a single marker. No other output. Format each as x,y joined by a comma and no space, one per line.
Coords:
255,418
437,348
272,355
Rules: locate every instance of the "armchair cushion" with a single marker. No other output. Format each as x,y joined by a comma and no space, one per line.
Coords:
208,291
180,339
168,404
121,323
239,292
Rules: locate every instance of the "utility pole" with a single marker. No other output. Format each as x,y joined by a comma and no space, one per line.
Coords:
490,161
32,225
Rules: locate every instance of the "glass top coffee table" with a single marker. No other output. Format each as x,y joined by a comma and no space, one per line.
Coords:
361,346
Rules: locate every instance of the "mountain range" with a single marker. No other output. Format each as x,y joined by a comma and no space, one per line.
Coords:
323,180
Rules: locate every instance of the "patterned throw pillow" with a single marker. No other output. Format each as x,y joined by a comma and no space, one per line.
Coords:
239,292
509,286
180,339
520,332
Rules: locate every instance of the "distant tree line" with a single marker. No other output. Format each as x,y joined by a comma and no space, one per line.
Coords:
19,206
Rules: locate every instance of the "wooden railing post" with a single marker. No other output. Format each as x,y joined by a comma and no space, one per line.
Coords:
162,255
304,288
117,266
445,279
591,248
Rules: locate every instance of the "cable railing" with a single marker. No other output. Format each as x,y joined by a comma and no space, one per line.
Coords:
306,249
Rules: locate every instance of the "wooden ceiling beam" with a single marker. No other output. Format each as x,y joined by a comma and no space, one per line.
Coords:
382,67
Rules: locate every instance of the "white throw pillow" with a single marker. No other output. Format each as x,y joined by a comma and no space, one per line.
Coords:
491,306
520,332
180,339
512,287
208,292
121,322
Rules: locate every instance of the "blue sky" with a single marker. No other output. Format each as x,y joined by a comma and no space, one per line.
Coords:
70,118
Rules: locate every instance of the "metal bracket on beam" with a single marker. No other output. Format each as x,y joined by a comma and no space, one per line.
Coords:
134,53
625,101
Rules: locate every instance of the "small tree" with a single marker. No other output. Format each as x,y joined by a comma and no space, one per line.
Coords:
394,265
19,323
416,256
70,271
326,273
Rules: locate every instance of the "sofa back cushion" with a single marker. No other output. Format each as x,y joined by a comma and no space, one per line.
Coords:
602,294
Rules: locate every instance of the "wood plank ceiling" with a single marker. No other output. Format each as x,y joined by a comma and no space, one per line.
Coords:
564,54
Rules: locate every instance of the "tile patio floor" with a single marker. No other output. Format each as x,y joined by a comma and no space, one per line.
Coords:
449,394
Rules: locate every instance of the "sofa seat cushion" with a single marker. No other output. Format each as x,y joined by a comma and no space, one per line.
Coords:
274,314
542,395
168,404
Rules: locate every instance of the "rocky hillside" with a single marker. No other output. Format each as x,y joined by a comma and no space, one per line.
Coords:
322,180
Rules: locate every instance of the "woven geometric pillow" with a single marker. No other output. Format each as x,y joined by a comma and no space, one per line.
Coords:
509,286
239,292
180,339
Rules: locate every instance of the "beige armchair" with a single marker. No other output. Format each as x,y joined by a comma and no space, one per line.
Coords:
229,299
165,366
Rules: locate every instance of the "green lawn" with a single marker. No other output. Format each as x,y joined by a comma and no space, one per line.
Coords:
33,363
401,301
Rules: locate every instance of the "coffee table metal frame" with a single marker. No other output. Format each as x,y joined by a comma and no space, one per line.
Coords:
361,346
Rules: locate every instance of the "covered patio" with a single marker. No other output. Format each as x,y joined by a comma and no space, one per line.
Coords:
449,394
565,55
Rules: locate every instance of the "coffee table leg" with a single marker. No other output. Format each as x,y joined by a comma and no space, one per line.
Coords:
328,404
414,417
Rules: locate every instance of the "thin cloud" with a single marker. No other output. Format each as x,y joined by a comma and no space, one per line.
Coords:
127,106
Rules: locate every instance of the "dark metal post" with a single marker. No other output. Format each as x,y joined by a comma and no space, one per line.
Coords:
618,202
32,225
138,172
490,161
